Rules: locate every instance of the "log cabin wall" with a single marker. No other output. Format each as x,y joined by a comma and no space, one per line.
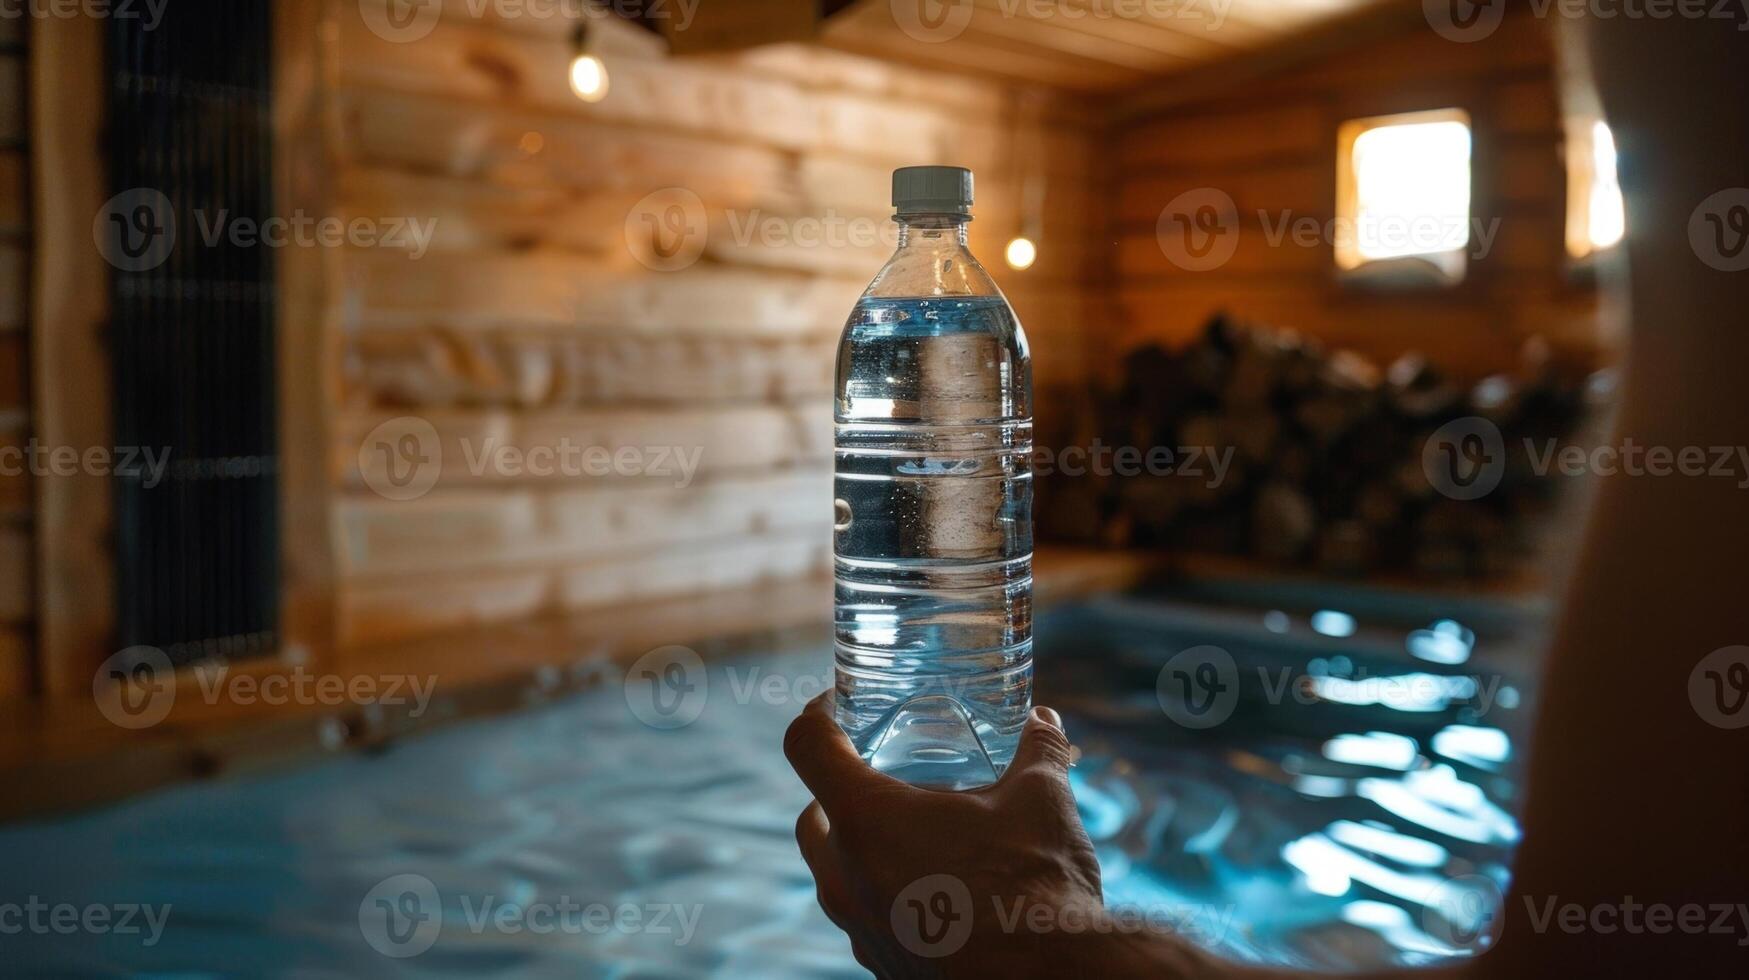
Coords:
1270,143
16,511
559,299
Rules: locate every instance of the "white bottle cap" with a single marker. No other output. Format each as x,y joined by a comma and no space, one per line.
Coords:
942,189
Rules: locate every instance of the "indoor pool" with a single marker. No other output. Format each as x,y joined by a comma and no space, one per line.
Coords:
1284,781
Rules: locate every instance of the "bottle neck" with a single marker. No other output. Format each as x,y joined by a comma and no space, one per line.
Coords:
932,260
932,229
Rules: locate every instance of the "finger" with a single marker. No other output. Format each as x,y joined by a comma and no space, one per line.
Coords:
826,761
812,829
1044,749
813,836
1050,715
864,958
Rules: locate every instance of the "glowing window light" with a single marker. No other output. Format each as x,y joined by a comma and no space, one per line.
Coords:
1608,216
1409,174
1596,217
1404,189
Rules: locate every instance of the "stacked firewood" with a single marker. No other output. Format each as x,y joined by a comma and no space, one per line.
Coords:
1323,457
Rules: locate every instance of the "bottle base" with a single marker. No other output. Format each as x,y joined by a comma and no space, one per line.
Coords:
930,741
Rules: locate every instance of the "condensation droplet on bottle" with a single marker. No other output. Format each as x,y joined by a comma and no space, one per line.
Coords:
840,515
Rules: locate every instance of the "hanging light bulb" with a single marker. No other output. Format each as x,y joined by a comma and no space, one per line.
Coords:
588,78
588,72
1022,249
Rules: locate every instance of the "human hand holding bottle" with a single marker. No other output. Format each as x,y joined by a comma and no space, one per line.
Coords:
929,883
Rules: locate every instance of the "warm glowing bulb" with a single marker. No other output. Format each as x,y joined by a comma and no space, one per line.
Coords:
588,78
1021,253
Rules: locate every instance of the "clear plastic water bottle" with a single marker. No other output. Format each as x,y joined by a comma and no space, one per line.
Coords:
933,522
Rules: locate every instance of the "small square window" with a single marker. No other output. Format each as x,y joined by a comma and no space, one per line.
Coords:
1403,196
1596,219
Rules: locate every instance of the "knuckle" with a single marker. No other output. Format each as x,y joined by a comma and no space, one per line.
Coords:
802,733
1053,746
803,820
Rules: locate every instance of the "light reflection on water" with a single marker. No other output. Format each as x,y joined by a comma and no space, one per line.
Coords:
1363,823
1445,642
1312,831
1333,622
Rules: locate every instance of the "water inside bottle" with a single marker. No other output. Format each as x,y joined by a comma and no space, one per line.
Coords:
933,533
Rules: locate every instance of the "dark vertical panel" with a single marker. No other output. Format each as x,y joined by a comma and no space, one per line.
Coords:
197,553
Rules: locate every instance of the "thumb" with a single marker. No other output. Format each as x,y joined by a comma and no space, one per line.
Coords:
1044,748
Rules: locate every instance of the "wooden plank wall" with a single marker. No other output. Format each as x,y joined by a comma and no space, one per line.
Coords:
16,539
1270,144
531,319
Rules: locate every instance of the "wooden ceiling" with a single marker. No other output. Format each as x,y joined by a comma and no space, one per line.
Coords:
1082,45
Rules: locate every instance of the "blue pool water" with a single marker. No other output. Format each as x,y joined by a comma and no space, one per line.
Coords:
1331,819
